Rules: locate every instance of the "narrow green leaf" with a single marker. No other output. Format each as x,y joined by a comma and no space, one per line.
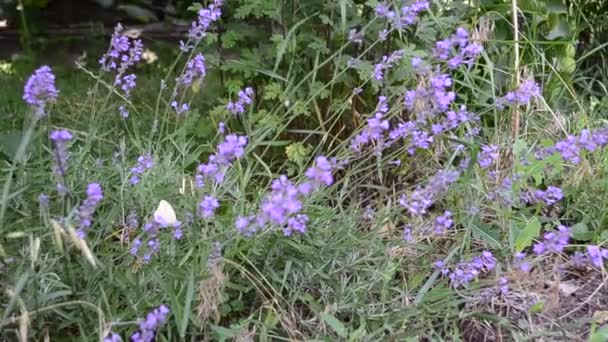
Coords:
186,313
343,15
283,46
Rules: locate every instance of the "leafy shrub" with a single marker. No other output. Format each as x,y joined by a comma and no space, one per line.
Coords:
357,181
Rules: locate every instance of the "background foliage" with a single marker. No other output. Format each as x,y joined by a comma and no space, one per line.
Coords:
352,276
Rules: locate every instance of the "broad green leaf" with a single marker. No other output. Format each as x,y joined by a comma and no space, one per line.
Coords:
486,234
558,27
556,6
335,324
519,147
224,334
580,231
537,307
567,65
600,335
528,234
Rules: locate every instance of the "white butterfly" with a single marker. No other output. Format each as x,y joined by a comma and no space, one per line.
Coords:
165,214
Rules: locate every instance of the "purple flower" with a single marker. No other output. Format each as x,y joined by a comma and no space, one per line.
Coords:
112,337
122,54
321,172
503,285
569,149
383,11
134,250
409,14
127,83
281,203
123,111
383,35
87,208
231,149
40,90
554,241
148,326
521,263
418,202
420,139
221,128
465,51
376,126
59,138
245,225
597,255
386,63
550,196
467,271
144,162
443,222
43,200
206,16
407,234
207,206
296,223
487,156
355,36
195,70
522,96
244,98
180,109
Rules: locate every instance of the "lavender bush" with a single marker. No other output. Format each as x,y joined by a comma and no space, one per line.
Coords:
388,201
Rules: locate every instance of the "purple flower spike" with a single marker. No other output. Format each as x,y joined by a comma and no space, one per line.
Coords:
112,337
206,16
195,70
86,210
522,96
597,255
569,149
444,222
550,196
554,241
321,172
148,326
296,224
487,156
376,126
467,271
144,162
40,90
59,139
245,97
207,206
231,149
387,63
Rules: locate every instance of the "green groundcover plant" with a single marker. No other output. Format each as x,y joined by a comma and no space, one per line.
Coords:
375,195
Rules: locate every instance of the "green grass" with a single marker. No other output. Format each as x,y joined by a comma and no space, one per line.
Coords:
351,276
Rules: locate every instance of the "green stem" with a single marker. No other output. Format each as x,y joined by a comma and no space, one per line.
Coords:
26,38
